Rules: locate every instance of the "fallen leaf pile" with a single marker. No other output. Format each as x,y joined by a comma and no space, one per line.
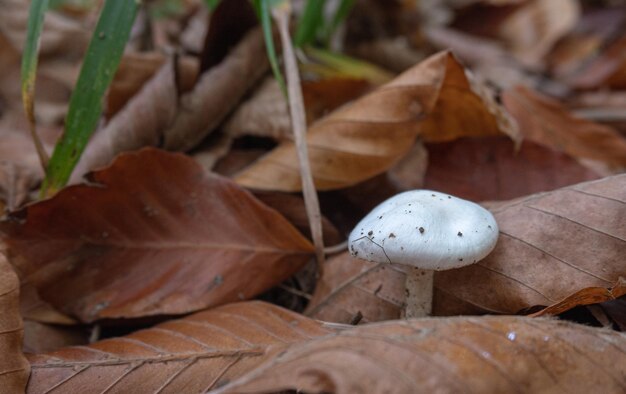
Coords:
179,259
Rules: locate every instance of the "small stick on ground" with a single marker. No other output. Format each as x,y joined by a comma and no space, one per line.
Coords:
298,120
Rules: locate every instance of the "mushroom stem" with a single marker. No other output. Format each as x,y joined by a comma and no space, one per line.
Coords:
419,293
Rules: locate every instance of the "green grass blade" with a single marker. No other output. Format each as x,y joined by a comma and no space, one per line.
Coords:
36,15
341,13
263,8
99,66
310,22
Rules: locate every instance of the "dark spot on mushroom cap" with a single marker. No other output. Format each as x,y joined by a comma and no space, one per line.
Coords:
433,195
422,230
380,217
460,259
370,233
489,227
392,235
449,197
460,234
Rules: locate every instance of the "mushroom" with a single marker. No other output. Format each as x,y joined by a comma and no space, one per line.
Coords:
427,231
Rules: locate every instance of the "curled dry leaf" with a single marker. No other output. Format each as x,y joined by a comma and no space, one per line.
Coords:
547,122
217,92
588,296
435,100
560,249
191,355
463,354
14,368
152,234
137,68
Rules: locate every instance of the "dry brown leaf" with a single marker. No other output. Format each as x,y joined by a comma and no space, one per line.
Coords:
588,296
548,123
608,70
191,355
152,234
410,171
480,169
351,287
529,29
137,68
265,114
551,246
434,100
14,368
454,355
217,92
590,41
536,26
487,57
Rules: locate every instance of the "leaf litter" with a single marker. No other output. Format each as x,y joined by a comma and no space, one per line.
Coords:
155,235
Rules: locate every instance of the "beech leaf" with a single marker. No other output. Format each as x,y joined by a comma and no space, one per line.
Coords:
453,355
190,355
551,245
152,234
479,169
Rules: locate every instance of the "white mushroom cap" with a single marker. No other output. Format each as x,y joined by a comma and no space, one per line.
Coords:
425,229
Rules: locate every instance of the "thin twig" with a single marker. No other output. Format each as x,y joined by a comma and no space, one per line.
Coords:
296,107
